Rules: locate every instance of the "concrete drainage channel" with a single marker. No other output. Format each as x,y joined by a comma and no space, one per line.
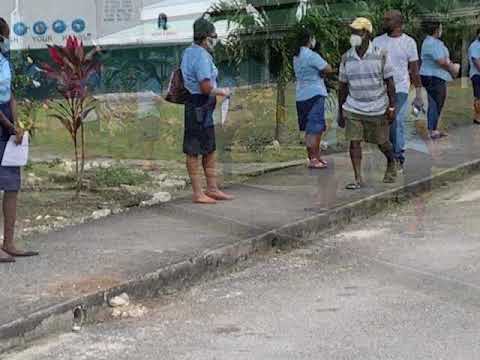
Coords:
76,313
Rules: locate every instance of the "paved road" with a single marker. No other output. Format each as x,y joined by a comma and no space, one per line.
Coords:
99,255
402,285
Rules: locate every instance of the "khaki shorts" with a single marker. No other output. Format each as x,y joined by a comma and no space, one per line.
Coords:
371,129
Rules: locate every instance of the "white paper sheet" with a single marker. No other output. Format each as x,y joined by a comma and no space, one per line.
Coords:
225,109
16,155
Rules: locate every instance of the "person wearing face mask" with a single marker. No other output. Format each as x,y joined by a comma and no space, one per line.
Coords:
200,79
474,59
9,176
310,69
402,50
437,69
366,99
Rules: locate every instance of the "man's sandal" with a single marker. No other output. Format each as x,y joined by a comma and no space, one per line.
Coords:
354,186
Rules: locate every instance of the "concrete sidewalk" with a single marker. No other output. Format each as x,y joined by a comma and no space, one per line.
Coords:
147,251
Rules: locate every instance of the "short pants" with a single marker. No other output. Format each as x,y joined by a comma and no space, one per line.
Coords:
199,135
311,115
371,129
476,86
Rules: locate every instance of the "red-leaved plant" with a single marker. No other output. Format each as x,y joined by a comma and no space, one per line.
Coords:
71,68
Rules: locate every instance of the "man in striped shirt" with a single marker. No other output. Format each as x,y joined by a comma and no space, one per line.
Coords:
366,99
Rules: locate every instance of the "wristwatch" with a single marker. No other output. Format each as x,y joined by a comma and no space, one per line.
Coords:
391,109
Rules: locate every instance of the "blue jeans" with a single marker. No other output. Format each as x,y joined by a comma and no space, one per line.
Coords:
437,94
397,129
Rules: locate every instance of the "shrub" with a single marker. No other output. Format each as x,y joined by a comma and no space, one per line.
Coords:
116,176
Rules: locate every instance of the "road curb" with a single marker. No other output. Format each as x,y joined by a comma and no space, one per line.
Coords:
60,317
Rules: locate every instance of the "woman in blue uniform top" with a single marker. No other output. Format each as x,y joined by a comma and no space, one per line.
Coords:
9,176
200,77
310,69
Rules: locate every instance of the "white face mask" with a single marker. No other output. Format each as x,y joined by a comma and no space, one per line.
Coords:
356,40
313,43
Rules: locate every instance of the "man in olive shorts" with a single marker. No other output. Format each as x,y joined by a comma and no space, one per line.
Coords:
366,99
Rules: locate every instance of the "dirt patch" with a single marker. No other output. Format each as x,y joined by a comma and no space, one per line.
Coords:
83,285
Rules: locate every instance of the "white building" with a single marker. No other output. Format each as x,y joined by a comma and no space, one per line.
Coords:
36,23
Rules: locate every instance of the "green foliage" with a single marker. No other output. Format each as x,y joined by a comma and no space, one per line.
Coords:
22,83
257,142
27,115
116,176
71,68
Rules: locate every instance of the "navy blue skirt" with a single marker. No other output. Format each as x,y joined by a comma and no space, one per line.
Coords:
10,178
476,86
311,115
199,135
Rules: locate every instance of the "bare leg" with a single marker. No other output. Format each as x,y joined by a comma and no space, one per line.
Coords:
209,167
313,145
477,110
313,149
391,173
10,218
356,158
309,149
193,171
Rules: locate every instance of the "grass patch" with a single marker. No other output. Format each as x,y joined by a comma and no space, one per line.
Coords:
116,176
251,127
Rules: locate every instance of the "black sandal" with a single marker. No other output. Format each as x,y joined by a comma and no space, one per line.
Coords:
21,254
7,260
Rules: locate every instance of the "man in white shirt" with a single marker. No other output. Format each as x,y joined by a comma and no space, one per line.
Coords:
403,54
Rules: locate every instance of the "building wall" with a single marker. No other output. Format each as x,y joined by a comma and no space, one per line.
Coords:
87,19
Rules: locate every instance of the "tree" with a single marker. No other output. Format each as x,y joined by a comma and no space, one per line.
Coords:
260,28
71,69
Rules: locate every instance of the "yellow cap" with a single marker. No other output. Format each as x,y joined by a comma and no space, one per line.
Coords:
362,23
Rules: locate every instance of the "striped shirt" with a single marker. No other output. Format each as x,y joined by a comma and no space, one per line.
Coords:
365,78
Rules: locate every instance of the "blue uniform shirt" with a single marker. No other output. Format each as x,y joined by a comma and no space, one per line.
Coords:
197,66
5,80
432,50
474,53
308,65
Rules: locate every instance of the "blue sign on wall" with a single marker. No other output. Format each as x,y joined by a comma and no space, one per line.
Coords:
40,28
79,25
59,26
20,29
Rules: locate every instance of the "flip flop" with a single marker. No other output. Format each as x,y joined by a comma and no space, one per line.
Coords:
353,186
21,254
323,161
7,260
317,165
